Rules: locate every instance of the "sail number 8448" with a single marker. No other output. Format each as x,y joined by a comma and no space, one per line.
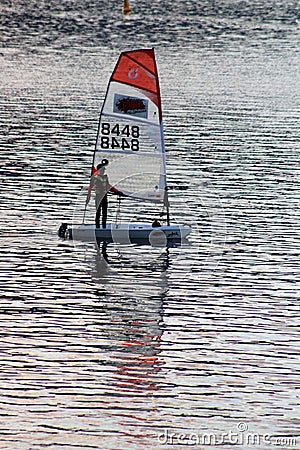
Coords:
116,137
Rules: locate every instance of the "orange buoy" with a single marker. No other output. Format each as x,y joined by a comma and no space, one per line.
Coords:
126,7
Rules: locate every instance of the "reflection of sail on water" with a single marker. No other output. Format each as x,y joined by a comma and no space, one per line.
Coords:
130,133
133,333
132,316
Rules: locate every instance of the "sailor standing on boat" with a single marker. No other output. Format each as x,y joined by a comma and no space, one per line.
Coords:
99,182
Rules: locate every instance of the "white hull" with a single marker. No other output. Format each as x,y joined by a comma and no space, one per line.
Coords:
129,233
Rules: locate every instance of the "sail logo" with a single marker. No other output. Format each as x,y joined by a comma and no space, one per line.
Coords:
133,74
130,105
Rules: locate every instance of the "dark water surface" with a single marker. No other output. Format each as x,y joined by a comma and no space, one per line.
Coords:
196,346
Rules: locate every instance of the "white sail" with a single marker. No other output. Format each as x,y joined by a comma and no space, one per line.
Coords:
130,134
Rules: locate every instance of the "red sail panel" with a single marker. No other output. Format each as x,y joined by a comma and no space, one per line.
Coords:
138,69
144,57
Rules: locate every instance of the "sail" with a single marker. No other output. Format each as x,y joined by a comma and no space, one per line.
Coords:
130,133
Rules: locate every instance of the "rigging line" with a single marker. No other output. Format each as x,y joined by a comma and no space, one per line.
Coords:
85,207
118,212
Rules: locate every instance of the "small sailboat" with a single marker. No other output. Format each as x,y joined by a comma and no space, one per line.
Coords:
130,145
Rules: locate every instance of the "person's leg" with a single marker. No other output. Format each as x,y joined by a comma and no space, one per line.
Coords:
104,211
98,212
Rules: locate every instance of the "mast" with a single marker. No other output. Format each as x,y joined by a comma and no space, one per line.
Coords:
166,196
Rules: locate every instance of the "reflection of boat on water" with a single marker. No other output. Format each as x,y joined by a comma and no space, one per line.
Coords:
126,257
131,319
135,332
130,143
